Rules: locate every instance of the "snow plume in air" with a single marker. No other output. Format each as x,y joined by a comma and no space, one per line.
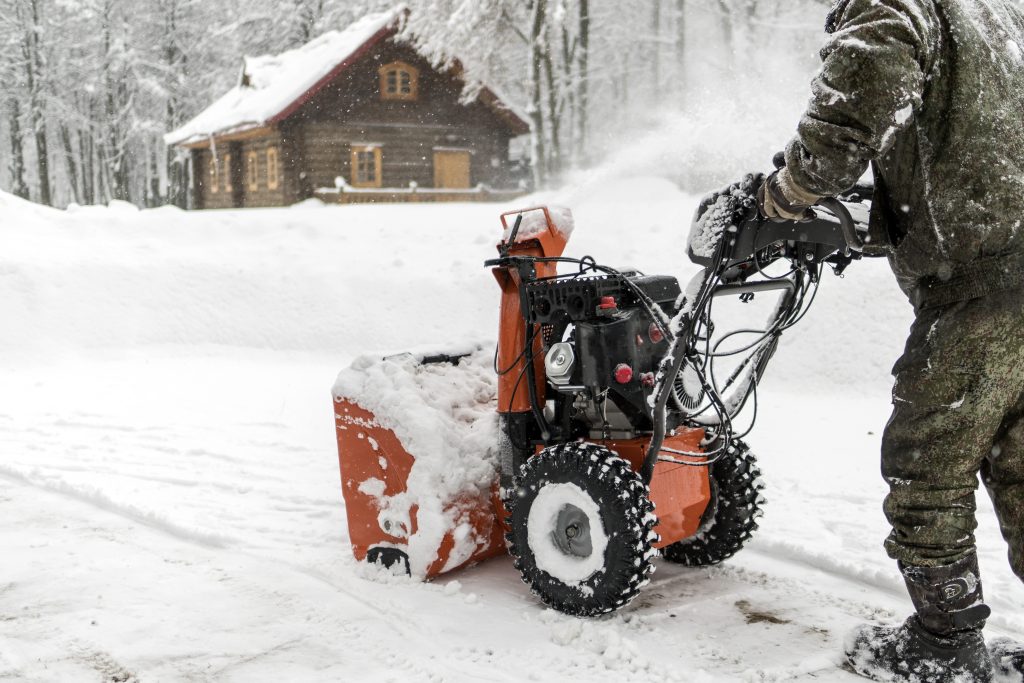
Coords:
706,142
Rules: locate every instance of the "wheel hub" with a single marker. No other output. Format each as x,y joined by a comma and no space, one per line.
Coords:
571,534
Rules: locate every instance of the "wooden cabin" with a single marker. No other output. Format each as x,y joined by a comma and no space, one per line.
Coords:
353,116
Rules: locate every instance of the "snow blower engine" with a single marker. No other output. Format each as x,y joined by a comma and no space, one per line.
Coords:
615,434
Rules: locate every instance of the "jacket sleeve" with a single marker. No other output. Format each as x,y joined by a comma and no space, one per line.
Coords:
869,88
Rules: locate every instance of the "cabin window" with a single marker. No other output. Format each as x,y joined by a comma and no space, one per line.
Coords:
225,171
214,180
399,81
273,174
366,162
252,171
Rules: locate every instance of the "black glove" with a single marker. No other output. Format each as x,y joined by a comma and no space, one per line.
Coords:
722,210
741,195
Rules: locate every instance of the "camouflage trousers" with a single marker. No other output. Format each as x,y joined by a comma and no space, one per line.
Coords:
958,411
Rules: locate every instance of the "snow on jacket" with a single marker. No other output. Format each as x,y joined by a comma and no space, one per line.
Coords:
931,92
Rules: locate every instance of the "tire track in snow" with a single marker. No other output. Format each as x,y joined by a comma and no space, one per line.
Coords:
253,658
104,664
733,585
100,500
795,554
375,606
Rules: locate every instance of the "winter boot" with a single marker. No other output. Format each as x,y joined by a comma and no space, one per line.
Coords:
941,643
1008,659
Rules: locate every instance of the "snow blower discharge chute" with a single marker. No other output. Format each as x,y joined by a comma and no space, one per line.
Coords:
598,433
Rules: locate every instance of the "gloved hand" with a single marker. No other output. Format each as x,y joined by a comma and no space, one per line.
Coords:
780,199
742,195
722,210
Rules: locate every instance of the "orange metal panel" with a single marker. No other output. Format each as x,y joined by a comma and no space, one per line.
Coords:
680,493
366,451
513,396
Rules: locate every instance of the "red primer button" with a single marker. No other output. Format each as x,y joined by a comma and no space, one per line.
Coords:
623,374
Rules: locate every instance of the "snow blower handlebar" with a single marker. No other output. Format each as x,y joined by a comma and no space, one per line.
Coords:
739,257
825,235
853,238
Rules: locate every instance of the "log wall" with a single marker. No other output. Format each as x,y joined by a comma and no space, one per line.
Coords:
315,142
351,112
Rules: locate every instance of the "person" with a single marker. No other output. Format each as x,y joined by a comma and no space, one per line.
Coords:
930,94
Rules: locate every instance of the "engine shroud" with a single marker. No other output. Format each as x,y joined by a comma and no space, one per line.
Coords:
617,345
578,299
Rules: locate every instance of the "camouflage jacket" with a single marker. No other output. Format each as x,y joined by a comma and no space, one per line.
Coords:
931,92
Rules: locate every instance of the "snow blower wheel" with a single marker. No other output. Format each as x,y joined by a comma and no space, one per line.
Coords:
581,529
731,516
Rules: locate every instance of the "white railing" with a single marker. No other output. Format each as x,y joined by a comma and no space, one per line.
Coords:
341,186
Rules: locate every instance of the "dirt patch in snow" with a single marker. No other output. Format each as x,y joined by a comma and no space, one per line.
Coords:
755,616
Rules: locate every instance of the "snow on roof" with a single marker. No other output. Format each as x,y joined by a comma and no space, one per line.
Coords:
269,84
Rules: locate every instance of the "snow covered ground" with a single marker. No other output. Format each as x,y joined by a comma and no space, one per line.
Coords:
169,482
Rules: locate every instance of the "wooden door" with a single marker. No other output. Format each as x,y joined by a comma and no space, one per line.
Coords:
451,169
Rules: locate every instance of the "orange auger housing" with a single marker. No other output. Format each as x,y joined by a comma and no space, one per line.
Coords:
388,523
371,452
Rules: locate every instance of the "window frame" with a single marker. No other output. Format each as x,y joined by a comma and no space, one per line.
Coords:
378,180
228,186
214,175
273,168
399,68
252,171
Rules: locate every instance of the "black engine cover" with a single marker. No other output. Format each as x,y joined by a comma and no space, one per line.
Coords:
578,299
621,340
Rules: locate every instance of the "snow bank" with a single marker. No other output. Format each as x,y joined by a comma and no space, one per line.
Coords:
332,280
338,280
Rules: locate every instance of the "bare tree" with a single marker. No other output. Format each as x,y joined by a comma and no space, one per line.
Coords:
23,19
538,36
16,166
117,100
583,76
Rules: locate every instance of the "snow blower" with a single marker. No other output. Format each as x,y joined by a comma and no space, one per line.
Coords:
600,431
